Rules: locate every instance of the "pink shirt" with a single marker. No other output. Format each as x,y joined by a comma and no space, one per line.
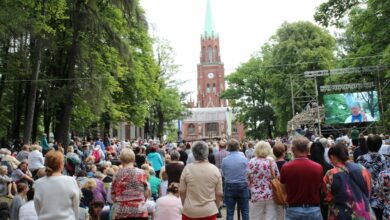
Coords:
259,176
168,207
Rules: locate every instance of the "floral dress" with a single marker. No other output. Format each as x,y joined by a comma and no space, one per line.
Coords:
259,177
128,193
374,163
384,191
347,189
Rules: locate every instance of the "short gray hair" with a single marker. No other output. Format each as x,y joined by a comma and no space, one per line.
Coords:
233,145
300,144
175,155
324,142
200,150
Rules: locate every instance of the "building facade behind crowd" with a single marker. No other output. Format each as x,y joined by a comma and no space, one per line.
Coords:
323,178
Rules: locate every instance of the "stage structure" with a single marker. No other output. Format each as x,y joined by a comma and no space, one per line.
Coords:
304,103
305,99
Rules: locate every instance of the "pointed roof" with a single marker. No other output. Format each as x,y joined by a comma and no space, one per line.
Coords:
209,28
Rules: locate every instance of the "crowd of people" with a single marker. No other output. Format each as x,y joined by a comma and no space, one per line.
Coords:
322,178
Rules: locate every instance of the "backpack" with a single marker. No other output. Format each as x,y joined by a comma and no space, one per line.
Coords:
96,154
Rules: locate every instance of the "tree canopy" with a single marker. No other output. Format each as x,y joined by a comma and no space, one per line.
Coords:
302,46
261,87
70,66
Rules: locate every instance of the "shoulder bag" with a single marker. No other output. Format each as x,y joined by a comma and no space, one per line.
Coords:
280,197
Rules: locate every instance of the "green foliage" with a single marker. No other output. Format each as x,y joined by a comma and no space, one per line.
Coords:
365,42
333,11
304,46
114,71
247,90
168,103
336,109
261,89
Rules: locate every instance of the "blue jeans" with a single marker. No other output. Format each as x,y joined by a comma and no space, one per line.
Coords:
298,213
237,193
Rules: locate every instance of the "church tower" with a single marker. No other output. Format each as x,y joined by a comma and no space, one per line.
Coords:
211,76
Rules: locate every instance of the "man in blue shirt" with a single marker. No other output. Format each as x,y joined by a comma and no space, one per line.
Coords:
236,188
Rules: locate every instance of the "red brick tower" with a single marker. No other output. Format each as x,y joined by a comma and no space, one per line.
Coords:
211,73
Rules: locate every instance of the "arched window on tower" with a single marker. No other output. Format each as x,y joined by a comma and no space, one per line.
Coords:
208,88
210,50
214,88
216,54
204,54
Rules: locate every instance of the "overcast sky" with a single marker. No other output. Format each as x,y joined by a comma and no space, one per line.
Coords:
243,27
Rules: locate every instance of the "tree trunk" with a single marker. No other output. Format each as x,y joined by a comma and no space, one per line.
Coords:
30,107
50,109
269,128
153,130
106,123
5,69
146,128
62,130
47,115
38,106
19,91
160,124
17,111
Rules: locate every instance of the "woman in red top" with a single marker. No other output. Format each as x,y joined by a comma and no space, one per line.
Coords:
129,190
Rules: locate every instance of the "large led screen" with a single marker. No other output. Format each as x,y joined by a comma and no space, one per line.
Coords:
355,107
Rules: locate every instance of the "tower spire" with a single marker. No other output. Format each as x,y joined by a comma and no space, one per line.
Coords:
209,29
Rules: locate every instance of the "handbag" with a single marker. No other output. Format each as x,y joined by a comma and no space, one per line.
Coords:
280,197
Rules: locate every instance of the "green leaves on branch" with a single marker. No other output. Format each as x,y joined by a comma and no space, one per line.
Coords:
97,60
333,11
261,89
365,40
168,103
247,91
303,46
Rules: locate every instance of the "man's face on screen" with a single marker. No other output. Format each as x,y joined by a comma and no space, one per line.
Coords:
355,110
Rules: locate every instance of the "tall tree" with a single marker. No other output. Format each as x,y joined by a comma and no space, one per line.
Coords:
43,13
168,103
26,32
261,88
248,91
110,45
92,59
294,49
